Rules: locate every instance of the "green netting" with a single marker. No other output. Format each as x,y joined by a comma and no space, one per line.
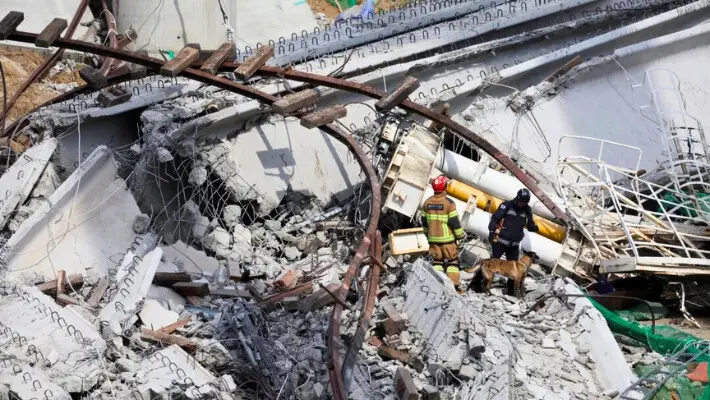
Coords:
678,387
642,313
667,341
687,211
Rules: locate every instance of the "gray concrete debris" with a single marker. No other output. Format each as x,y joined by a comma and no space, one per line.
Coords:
141,223
102,224
231,215
533,357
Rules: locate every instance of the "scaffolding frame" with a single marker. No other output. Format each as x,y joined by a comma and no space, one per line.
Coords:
606,203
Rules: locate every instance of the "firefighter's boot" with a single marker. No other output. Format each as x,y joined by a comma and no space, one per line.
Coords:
455,275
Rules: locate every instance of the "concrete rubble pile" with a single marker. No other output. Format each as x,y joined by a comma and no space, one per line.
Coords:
444,346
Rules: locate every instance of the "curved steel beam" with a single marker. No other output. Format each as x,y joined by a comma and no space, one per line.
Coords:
316,80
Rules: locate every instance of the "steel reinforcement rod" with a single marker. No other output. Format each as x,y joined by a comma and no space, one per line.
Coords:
317,80
334,365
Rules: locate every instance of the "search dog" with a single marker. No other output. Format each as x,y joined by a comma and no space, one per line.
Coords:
515,270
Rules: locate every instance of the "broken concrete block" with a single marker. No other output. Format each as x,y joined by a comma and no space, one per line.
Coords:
467,372
291,253
18,181
132,291
197,176
404,385
141,223
126,365
172,364
190,259
101,227
155,316
218,241
164,155
231,215
112,96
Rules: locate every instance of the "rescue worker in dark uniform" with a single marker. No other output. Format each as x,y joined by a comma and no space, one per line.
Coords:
506,227
441,224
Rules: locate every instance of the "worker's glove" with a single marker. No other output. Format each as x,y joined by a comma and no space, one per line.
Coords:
459,243
491,236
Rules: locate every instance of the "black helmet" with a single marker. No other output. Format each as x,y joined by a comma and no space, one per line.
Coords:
523,196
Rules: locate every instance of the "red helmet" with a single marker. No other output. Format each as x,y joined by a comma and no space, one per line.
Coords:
439,184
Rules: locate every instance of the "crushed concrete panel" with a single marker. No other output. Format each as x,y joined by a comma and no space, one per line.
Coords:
66,347
132,288
266,161
17,182
170,366
87,221
189,259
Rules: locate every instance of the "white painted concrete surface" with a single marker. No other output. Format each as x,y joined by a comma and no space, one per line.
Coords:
86,222
265,161
172,24
17,182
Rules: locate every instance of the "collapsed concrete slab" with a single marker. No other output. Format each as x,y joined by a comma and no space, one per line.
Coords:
173,366
57,341
18,181
133,287
268,160
87,221
189,259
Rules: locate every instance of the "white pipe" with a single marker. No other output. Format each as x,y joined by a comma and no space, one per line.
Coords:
496,183
662,40
477,221
582,46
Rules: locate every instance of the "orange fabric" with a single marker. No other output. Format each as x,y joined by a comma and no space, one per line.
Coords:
700,374
444,252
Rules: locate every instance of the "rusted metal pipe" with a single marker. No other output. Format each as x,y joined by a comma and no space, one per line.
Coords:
113,42
46,65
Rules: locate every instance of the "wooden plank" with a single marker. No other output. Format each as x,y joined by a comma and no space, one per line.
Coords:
51,32
323,117
564,69
9,24
298,290
165,338
65,300
174,326
182,61
294,102
50,288
98,292
192,288
398,95
253,63
168,279
225,52
61,278
93,77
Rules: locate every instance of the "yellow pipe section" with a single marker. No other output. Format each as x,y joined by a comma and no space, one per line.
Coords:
489,203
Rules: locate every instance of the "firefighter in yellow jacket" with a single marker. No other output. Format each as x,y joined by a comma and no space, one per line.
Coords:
441,224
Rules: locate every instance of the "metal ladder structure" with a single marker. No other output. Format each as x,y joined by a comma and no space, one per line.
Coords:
650,383
687,163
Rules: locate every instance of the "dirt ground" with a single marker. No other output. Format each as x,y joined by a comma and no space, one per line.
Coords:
331,11
18,64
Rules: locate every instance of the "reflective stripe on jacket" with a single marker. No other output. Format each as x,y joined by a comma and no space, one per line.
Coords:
441,220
